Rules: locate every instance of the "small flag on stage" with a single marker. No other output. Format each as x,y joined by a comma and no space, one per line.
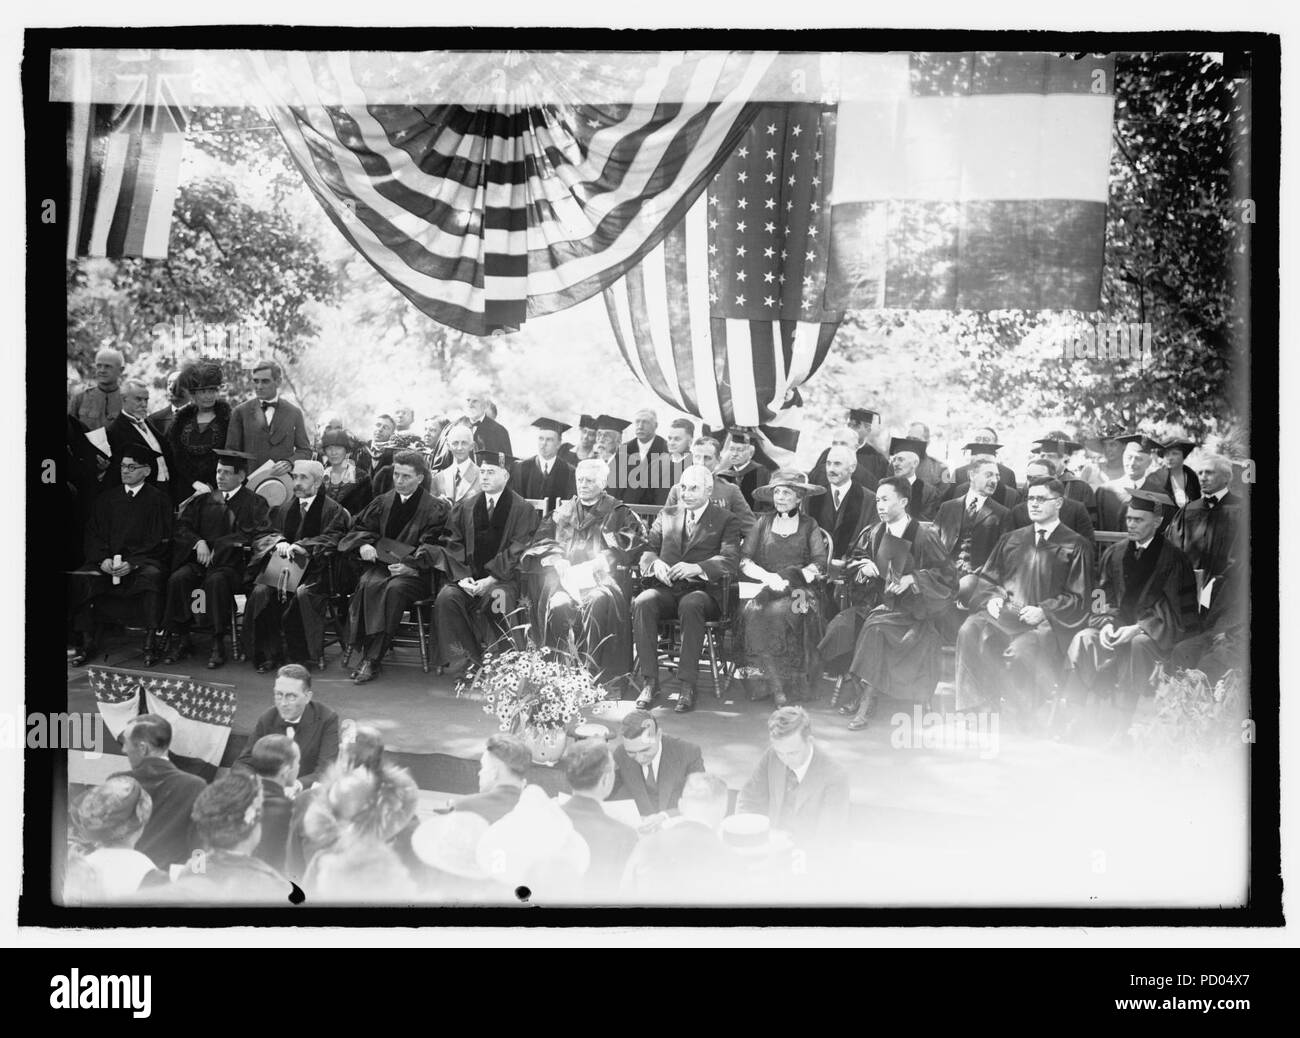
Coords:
200,713
971,181
126,131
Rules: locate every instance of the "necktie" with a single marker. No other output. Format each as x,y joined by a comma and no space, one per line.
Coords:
1042,539
690,524
227,495
491,507
455,484
1137,553
972,508
835,496
1211,503
651,782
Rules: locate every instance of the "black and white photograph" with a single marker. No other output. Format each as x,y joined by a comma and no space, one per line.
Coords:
822,476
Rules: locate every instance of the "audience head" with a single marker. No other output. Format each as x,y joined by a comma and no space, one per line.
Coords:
362,746
292,692
493,471
983,475
177,395
476,401
846,436
203,380
276,757
135,398
706,452
307,478
266,379
146,736
1215,472
861,421
335,443
460,441
790,731
1042,468
108,367
641,737
135,461
893,496
1136,459
112,814
696,486
919,431
505,761
384,429
644,424
227,815
904,463
589,767
403,416
841,463
680,433
1043,499
704,799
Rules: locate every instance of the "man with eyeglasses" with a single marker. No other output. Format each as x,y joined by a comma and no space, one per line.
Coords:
269,427
312,725
580,557
126,542
1027,602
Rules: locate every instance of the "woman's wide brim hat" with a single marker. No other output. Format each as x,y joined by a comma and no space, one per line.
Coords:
276,489
792,478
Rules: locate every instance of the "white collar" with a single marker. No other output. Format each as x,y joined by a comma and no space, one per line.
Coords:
801,772
1047,528
1143,545
132,491
646,444
405,497
899,526
272,402
464,465
659,756
843,489
305,503
977,497
1220,495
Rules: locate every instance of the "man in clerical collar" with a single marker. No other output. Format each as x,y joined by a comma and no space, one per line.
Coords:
1028,600
394,540
311,524
96,405
486,537
1145,606
213,533
547,476
126,541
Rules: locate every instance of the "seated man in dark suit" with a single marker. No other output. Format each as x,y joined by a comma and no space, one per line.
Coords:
502,774
168,836
221,539
311,525
487,535
969,527
848,507
589,767
1073,514
652,767
692,546
313,726
1029,599
872,466
546,477
1146,606
126,541
406,522
275,760
707,452
797,785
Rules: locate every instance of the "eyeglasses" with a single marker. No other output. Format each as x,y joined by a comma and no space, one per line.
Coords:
1037,499
130,466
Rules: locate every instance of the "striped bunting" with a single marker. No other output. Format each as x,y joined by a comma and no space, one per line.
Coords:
724,318
971,181
487,215
124,156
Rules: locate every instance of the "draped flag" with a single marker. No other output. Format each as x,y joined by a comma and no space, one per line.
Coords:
484,215
971,181
724,318
126,130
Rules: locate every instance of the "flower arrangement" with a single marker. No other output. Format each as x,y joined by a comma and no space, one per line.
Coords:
535,687
1194,720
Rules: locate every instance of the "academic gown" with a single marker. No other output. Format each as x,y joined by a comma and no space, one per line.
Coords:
897,649
139,530
1112,502
748,479
1210,536
601,621
556,486
380,600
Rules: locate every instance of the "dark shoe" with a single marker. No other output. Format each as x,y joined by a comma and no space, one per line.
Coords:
859,721
685,700
152,651
368,671
268,665
181,648
647,691
218,656
83,655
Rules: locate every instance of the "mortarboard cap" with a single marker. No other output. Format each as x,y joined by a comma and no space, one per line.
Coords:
739,436
498,458
903,443
1141,439
863,414
1065,447
610,423
237,460
1146,500
551,425
587,421
982,448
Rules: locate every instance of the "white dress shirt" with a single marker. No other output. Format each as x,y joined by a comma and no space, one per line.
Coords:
142,427
1046,528
802,770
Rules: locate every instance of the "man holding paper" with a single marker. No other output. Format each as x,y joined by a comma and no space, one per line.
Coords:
394,539
581,555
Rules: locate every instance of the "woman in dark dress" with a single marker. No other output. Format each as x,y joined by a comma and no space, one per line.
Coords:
1174,478
786,552
199,429
342,480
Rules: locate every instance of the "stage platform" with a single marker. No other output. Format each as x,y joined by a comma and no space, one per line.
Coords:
1009,819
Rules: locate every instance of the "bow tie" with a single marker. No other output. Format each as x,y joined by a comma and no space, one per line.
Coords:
265,404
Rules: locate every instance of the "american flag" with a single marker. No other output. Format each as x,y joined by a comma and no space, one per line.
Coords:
725,319
486,214
200,713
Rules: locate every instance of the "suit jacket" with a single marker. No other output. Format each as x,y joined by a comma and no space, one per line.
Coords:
1006,478
316,733
455,556
168,837
872,468
162,419
277,813
1164,606
857,510
1073,514
493,805
715,545
123,435
1006,494
443,484
492,435
678,759
819,815
558,485
648,485
991,522
285,440
725,495
228,527
610,842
